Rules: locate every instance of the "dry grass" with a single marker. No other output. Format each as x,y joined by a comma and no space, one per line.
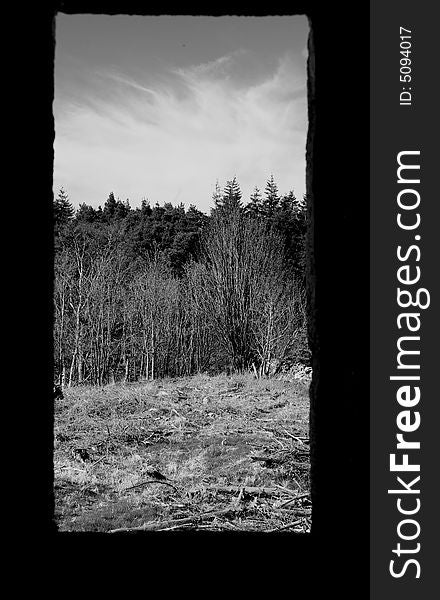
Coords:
231,445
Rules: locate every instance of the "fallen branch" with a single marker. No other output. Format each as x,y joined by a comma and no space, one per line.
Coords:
293,499
299,512
278,405
301,439
288,526
294,437
98,461
289,491
72,468
233,489
171,528
152,481
280,443
174,524
268,459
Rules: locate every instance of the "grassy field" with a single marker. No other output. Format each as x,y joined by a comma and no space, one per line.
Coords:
217,453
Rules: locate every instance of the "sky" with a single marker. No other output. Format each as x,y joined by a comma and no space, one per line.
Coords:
164,107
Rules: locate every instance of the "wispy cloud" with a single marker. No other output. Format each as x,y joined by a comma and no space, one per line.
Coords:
130,83
175,137
215,69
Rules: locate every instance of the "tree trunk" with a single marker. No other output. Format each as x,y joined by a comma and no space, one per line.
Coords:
72,367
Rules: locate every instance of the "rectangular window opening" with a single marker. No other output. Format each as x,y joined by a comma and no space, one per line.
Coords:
181,357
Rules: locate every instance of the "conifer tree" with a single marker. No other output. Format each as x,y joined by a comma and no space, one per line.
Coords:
63,210
272,199
291,202
110,206
86,213
232,195
229,200
217,196
255,206
145,207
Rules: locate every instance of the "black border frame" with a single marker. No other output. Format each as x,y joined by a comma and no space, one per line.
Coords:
336,553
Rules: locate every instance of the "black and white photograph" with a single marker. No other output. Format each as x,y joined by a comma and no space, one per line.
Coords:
180,345
238,220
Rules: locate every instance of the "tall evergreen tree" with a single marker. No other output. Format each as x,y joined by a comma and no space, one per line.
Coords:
110,207
290,220
291,202
115,210
145,207
99,213
255,207
217,196
63,210
232,194
86,213
272,198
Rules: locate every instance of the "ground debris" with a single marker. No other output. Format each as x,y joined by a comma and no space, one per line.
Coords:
206,452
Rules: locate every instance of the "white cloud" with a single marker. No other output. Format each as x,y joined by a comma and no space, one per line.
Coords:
174,141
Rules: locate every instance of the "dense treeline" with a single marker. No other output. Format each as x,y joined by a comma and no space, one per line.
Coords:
164,291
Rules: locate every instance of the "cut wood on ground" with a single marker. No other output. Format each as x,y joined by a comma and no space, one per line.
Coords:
187,453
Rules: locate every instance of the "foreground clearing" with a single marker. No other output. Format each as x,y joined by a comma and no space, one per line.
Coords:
217,453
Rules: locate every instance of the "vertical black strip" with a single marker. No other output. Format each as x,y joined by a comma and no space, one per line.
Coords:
338,251
399,128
